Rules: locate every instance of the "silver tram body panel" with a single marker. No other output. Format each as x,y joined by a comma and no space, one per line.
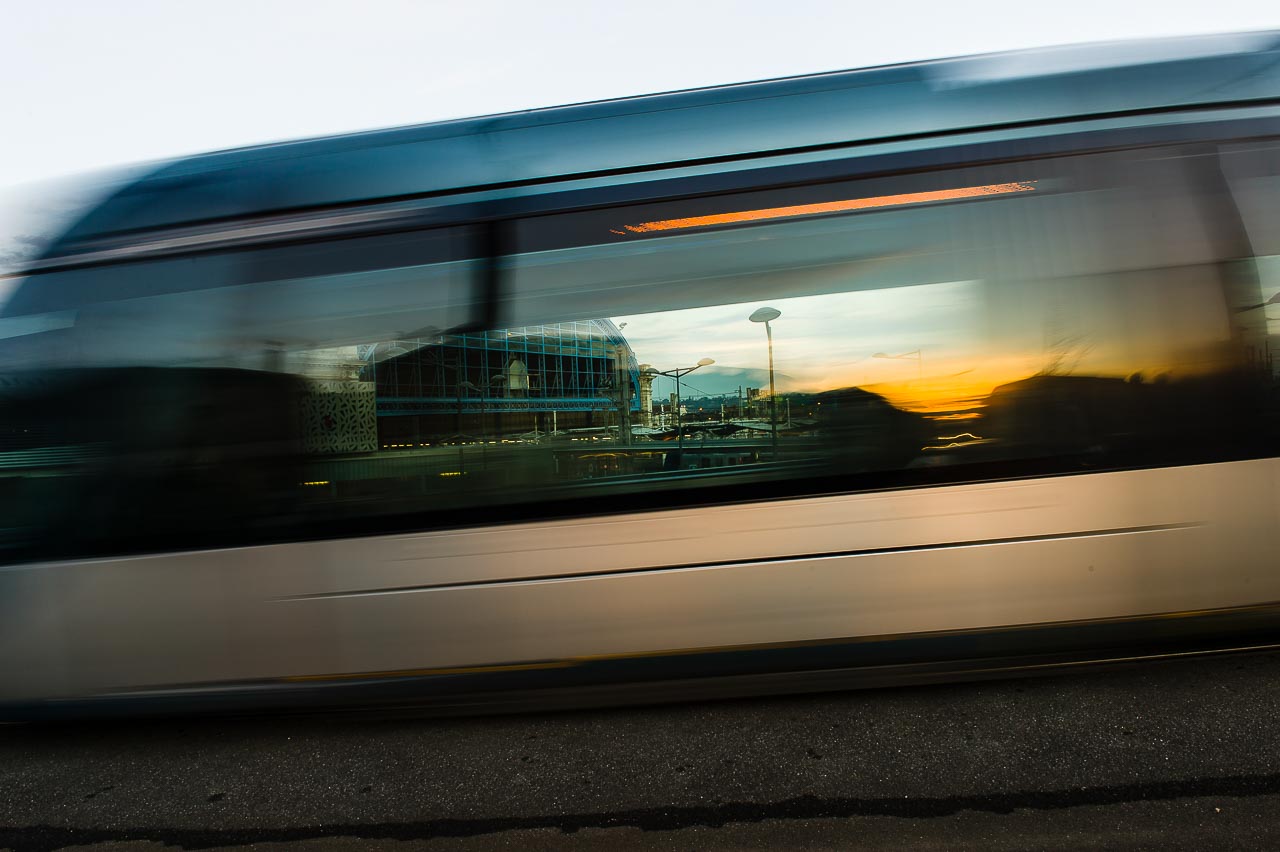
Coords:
1104,546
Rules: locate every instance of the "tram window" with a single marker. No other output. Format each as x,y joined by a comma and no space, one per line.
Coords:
1064,314
1060,315
181,401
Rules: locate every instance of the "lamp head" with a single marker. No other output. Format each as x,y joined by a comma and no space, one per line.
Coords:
764,314
705,362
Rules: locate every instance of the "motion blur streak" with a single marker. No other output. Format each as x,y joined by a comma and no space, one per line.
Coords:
453,435
831,207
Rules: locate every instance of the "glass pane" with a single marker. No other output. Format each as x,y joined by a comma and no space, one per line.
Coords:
1070,314
188,402
1063,315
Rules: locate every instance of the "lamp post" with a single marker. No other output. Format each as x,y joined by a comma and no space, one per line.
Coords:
459,370
766,316
622,380
484,432
906,356
676,374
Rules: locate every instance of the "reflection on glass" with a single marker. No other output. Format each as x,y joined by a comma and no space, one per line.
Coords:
1107,319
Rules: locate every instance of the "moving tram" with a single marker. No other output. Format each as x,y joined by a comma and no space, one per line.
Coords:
393,417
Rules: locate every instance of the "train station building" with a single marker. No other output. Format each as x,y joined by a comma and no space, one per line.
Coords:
507,384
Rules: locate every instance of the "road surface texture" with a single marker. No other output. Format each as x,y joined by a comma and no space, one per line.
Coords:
1181,755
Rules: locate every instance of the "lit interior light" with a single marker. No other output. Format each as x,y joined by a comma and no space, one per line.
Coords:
830,207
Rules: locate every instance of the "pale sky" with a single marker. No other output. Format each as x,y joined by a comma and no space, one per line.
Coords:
824,341
91,84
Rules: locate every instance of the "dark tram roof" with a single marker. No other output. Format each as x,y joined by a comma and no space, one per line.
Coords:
650,131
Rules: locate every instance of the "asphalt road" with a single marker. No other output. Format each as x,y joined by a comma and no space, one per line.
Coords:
1179,755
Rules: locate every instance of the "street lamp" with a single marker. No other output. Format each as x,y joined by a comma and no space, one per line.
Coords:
766,316
906,356
484,431
676,374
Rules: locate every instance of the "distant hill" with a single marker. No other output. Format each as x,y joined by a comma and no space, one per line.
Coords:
715,380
